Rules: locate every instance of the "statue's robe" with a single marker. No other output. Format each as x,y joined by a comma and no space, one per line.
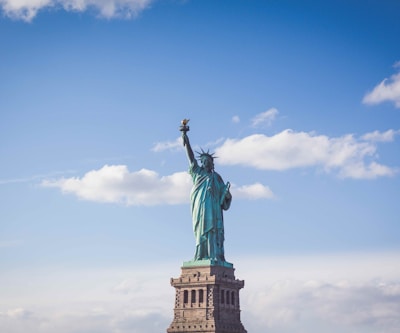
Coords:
207,202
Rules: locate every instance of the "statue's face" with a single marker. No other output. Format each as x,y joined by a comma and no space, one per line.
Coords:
208,163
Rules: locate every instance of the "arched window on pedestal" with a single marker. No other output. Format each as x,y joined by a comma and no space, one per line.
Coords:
201,295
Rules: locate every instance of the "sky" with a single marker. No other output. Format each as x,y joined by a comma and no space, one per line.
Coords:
299,101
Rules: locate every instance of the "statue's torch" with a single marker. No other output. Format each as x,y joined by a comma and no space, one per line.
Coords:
184,127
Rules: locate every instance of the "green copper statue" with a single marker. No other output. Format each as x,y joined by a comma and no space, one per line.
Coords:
209,197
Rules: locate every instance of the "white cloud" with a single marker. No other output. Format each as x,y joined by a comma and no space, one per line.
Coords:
288,149
254,191
386,91
381,136
360,170
27,9
116,184
265,117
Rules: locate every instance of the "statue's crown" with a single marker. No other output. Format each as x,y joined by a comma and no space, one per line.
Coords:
203,155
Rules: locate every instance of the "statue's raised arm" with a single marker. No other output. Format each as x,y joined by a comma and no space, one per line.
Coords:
189,150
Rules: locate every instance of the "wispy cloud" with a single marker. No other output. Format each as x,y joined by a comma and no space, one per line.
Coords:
378,136
33,178
266,118
386,91
236,119
168,145
177,145
116,184
349,156
26,10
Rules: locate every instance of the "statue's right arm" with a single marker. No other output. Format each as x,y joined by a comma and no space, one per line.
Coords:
189,150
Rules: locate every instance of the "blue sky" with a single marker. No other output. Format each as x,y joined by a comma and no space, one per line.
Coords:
300,101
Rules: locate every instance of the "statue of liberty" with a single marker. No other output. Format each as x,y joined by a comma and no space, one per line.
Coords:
209,197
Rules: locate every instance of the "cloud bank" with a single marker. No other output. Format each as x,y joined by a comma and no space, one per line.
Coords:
347,307
349,156
116,184
323,293
344,293
26,10
386,91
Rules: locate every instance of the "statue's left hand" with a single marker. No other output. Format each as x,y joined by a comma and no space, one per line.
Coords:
226,195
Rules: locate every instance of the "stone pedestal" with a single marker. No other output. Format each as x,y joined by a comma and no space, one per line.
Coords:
207,300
